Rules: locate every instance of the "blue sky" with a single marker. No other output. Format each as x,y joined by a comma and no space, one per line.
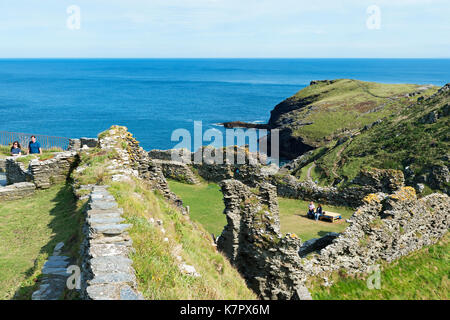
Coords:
225,28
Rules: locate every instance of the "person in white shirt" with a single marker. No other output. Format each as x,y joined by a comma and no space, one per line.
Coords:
311,209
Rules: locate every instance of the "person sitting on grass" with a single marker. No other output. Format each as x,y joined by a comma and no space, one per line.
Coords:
319,211
311,209
16,149
34,147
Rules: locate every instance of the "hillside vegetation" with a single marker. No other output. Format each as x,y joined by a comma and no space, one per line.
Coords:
422,275
326,109
404,132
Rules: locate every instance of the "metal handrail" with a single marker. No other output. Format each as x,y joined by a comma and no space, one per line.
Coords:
47,142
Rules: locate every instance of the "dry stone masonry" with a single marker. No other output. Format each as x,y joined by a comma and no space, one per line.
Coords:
385,228
107,272
17,191
253,243
368,181
22,182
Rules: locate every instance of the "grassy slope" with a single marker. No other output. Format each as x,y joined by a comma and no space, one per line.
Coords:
206,203
155,259
399,141
293,219
345,105
29,230
422,275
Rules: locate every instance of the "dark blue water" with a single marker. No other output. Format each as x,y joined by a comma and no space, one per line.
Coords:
76,98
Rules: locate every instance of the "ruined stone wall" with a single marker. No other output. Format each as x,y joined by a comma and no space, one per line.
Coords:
57,169
16,172
177,171
17,191
134,158
179,155
385,228
42,173
252,241
369,181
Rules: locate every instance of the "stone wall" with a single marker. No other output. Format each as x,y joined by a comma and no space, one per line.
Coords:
2,165
253,243
179,155
57,169
177,171
134,158
17,191
16,172
89,142
107,272
385,228
370,181
42,173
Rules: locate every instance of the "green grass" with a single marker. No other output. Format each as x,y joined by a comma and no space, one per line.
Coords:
422,275
293,219
29,230
345,105
155,260
206,203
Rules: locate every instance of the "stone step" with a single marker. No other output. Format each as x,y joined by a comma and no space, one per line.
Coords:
103,205
106,250
108,220
92,212
122,239
108,229
117,278
112,292
112,264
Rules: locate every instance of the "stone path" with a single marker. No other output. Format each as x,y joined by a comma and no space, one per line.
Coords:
308,173
54,276
107,273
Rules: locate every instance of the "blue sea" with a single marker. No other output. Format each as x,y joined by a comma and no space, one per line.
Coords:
153,97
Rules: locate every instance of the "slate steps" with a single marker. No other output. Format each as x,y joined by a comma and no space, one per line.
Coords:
110,273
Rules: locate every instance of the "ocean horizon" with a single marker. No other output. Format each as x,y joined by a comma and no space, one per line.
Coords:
153,97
